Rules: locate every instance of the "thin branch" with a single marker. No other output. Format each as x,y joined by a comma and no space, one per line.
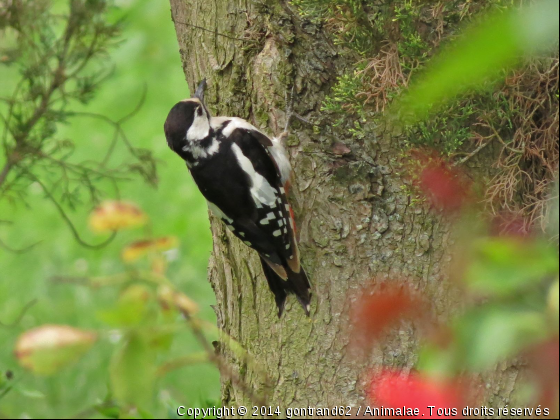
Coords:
189,360
18,319
473,153
18,250
65,217
137,108
116,124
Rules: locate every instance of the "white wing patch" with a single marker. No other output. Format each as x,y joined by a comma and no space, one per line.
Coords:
277,150
269,217
261,191
237,123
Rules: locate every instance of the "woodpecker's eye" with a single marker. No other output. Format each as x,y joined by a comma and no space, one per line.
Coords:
199,111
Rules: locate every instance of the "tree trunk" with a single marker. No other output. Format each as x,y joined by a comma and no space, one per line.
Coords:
357,222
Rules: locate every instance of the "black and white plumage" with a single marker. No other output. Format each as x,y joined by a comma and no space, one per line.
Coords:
242,173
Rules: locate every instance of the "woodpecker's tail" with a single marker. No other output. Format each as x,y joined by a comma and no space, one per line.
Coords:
297,283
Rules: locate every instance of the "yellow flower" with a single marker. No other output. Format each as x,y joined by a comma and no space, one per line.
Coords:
138,249
116,215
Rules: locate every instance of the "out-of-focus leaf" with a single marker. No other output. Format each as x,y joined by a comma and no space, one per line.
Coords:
133,373
490,334
47,349
505,265
131,309
111,216
481,52
159,265
436,361
169,298
139,249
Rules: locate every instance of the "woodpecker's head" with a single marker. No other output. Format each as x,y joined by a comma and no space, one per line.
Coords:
188,119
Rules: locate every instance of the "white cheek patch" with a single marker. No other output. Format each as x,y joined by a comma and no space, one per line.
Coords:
200,127
261,191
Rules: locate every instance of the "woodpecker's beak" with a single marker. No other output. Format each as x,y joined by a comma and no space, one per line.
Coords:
200,90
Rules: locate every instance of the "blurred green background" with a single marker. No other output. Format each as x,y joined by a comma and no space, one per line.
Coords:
148,56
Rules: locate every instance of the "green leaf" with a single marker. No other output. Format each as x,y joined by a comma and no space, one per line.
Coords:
132,309
47,349
504,266
481,53
436,361
488,335
133,373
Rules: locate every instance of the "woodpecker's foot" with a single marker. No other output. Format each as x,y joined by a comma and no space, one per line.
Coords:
291,114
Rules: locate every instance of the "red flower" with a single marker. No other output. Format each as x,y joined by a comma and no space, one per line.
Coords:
374,314
445,187
432,398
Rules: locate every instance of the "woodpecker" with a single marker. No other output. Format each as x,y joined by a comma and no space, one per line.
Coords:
243,174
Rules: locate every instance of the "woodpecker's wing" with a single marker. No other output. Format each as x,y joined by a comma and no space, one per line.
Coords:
272,216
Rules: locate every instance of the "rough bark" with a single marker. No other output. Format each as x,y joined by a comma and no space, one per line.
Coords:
356,221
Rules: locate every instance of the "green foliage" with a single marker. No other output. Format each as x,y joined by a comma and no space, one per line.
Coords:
133,372
344,97
481,53
352,21
493,333
147,46
61,60
447,131
143,322
468,92
503,267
